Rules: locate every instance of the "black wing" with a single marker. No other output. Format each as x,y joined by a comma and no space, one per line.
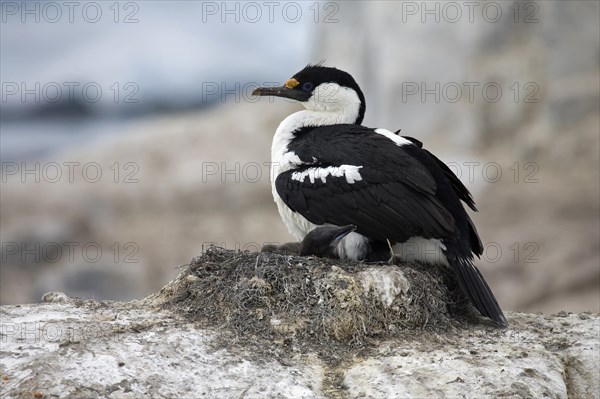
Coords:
457,185
474,242
459,188
394,197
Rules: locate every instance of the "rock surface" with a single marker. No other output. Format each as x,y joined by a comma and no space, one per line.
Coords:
163,346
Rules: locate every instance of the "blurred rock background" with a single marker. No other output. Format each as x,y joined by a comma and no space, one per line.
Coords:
507,93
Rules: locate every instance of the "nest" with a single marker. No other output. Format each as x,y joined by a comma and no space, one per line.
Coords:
307,299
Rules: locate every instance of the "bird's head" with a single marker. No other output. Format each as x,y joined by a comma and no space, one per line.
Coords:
322,240
323,89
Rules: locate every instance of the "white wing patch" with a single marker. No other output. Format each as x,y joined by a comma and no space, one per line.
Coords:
350,172
399,140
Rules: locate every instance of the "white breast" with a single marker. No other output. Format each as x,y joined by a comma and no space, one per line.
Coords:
282,161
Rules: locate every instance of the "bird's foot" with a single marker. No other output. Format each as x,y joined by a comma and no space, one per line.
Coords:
392,259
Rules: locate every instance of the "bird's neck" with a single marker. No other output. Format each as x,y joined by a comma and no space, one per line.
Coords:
316,118
295,122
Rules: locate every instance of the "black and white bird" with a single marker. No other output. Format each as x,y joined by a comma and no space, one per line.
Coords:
321,241
328,169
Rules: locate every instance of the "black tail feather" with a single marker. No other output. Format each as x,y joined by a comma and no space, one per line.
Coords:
474,286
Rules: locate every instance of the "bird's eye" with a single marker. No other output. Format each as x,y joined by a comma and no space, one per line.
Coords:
307,86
